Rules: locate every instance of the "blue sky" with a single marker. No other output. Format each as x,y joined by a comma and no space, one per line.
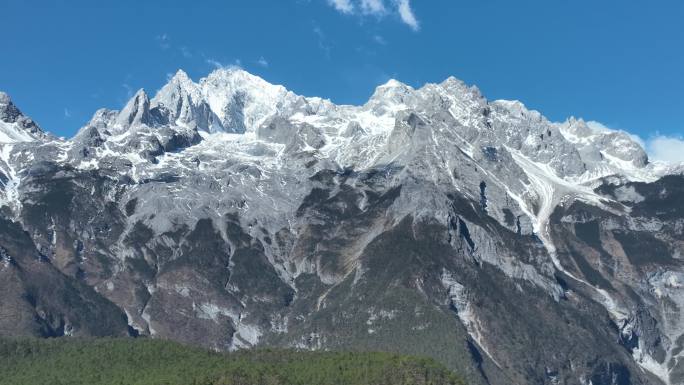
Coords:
617,62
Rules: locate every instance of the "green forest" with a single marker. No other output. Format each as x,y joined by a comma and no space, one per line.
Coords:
142,361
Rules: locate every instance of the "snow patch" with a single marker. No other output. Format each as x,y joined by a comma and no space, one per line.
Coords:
12,133
458,299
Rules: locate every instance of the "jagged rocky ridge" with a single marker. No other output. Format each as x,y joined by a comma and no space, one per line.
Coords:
232,213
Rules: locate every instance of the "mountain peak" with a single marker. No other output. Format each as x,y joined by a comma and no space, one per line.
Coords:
452,80
180,83
180,79
393,83
243,101
180,76
186,104
236,78
4,98
229,70
14,125
136,111
230,73
390,97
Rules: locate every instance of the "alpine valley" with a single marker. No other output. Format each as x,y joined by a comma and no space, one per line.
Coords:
231,213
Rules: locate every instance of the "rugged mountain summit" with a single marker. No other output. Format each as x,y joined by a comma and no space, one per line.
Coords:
233,213
14,125
186,106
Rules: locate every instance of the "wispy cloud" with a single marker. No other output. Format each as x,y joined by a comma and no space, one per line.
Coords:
67,113
379,9
407,15
379,39
322,40
237,63
344,6
214,63
373,7
129,90
262,62
164,41
185,51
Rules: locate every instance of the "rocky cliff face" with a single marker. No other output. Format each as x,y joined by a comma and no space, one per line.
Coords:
233,213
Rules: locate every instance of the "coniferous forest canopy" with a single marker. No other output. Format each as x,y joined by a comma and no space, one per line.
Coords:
112,361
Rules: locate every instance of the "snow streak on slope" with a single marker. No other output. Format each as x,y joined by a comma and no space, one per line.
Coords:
10,195
552,191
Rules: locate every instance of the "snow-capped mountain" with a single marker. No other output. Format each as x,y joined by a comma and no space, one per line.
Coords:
231,212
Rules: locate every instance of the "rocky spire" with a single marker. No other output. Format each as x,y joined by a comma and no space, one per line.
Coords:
136,111
185,104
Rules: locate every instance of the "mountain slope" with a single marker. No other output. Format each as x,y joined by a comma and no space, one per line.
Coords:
232,213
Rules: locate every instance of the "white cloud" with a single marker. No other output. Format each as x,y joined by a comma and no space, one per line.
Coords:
666,148
67,113
344,6
379,39
379,9
406,14
262,62
373,7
